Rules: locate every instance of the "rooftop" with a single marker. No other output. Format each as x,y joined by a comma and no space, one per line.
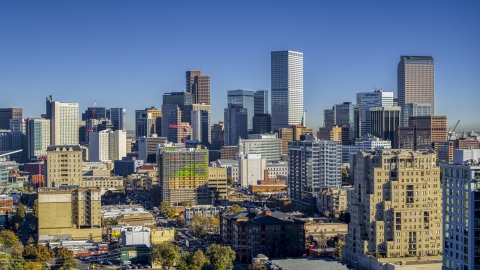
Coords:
309,264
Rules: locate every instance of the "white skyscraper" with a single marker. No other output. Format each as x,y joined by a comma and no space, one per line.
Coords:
107,145
38,137
368,100
287,88
64,123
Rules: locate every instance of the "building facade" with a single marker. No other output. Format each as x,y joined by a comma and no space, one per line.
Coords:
416,81
367,100
235,124
314,165
260,98
199,86
64,165
384,123
9,113
183,175
243,99
423,133
287,88
266,145
38,137
395,209
64,123
118,116
461,211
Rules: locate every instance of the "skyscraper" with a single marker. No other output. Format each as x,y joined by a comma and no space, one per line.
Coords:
384,123
287,88
199,86
182,99
38,137
64,123
243,99
415,81
107,145
260,98
118,116
314,165
9,113
235,120
368,100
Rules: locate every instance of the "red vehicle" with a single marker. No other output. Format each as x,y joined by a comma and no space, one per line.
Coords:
99,250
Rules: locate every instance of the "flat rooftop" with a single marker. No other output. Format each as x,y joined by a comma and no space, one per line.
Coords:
309,264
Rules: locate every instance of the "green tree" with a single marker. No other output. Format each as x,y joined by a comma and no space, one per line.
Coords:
8,238
5,264
21,210
234,209
64,253
33,266
187,203
68,263
39,253
17,249
257,266
31,241
198,225
35,208
165,255
198,260
229,180
221,257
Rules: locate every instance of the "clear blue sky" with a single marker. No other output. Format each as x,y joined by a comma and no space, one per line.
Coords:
128,53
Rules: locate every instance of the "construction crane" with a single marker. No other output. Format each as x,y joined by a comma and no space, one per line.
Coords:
90,127
441,157
185,129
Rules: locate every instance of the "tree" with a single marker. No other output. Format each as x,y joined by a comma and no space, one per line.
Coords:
8,238
180,220
257,266
64,253
33,266
198,225
187,203
21,210
326,213
68,263
321,240
31,241
5,264
31,189
229,180
35,208
197,260
166,209
17,249
166,255
235,209
39,253
338,247
221,257
121,188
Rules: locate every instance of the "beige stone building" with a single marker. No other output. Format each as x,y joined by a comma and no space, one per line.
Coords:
162,235
395,208
217,182
329,230
69,213
64,165
334,200
291,133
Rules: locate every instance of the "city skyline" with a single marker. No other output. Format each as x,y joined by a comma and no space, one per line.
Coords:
117,54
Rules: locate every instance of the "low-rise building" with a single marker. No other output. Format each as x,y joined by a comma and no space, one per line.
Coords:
218,182
6,203
202,210
128,215
314,230
274,234
135,235
334,200
162,235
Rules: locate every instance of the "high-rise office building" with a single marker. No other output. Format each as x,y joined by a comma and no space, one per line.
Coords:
9,113
64,165
48,105
424,133
143,128
314,166
201,126
287,88
262,123
118,117
413,109
269,146
100,113
187,111
38,137
107,145
199,86
243,99
461,211
172,115
341,115
235,124
64,123
292,133
18,125
367,100
182,99
183,174
415,81
384,123
260,102
217,136
395,211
